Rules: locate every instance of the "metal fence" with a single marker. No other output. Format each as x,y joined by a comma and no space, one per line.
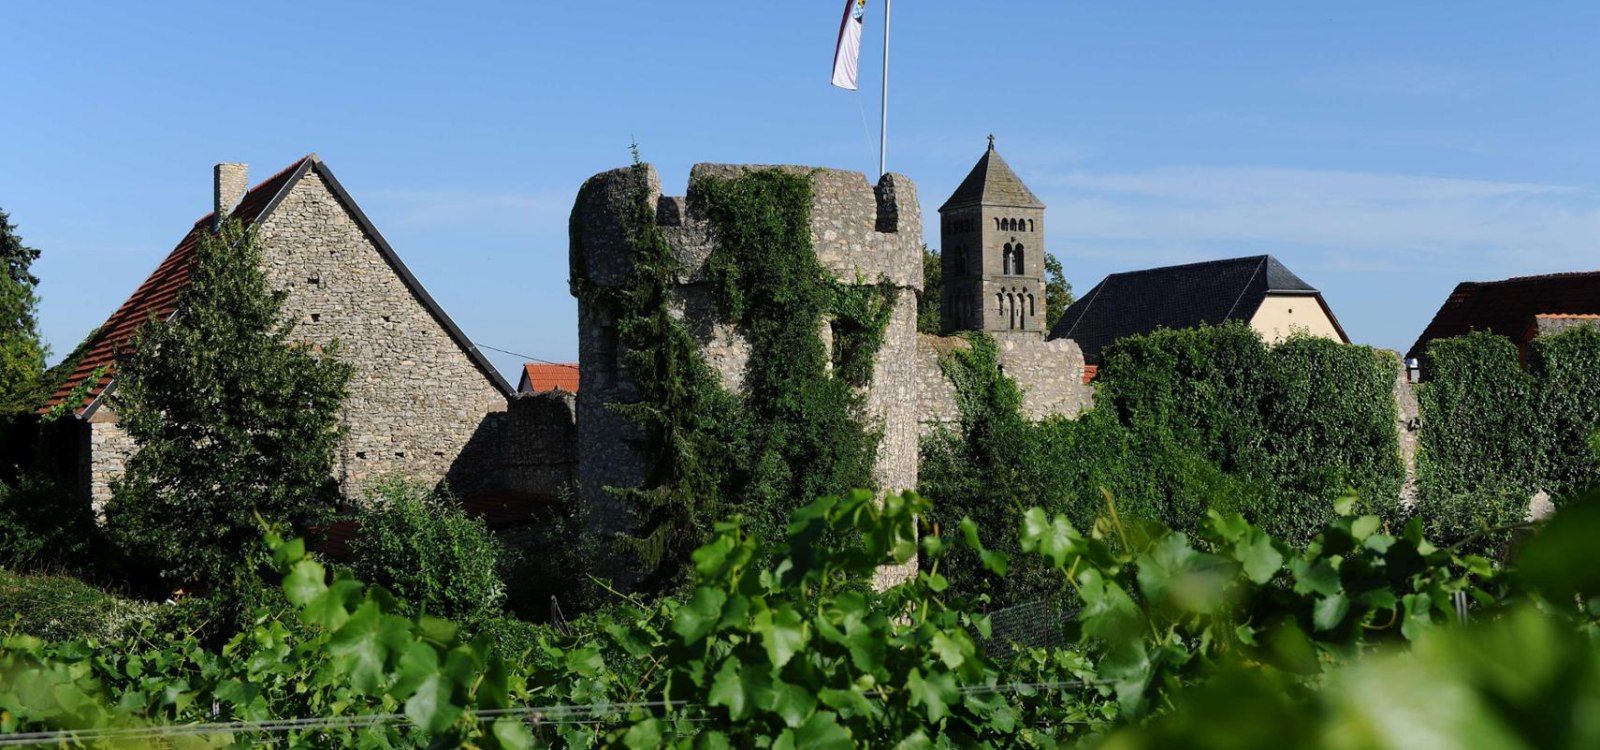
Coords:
1037,624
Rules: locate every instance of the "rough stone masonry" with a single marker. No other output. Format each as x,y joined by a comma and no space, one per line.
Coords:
861,234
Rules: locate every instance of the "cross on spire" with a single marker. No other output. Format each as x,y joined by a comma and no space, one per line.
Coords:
991,141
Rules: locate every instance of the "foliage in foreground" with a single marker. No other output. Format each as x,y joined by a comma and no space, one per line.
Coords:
234,420
798,652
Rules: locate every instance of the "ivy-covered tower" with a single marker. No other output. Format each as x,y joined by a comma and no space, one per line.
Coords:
992,253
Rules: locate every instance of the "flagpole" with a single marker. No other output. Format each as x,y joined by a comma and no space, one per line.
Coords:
883,125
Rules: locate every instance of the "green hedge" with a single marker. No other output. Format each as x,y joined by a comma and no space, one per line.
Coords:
1298,423
1185,421
1494,433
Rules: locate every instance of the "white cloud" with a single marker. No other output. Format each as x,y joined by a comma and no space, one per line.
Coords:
1338,220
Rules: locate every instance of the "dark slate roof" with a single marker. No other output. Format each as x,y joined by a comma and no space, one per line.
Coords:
157,297
1213,292
992,183
1508,307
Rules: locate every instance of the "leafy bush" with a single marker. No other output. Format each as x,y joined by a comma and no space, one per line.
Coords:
1184,422
45,526
1493,434
1567,366
59,608
1182,640
421,545
1301,423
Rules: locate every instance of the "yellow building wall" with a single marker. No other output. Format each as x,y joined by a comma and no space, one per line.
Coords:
1279,316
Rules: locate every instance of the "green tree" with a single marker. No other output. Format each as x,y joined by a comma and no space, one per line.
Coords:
932,292
1057,292
233,419
21,351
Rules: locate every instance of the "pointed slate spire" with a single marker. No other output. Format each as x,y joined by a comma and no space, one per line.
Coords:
992,183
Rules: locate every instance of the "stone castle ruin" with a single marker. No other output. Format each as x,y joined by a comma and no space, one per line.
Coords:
861,234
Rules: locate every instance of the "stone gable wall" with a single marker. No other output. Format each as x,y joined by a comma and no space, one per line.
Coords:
417,400
418,406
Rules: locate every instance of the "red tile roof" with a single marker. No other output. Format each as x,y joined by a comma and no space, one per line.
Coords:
545,377
1507,307
156,298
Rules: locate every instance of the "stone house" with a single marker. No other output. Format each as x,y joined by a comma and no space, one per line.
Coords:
1520,308
424,402
1257,290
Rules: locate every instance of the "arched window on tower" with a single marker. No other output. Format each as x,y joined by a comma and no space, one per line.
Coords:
1031,313
1011,311
1030,225
1005,259
1016,259
999,304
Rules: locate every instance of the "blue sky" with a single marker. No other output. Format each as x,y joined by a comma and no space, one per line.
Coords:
1384,151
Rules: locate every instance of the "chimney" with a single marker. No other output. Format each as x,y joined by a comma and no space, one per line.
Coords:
230,183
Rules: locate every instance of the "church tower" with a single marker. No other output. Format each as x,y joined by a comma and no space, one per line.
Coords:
992,253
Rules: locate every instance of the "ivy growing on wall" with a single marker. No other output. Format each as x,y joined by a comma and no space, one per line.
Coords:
805,434
1185,421
795,430
1493,434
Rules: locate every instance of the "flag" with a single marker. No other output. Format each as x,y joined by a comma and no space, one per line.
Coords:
847,53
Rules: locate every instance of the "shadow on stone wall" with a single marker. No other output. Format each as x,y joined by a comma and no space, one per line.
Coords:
528,451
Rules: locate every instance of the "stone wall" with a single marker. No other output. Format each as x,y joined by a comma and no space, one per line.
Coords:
1408,420
103,456
417,399
536,447
1049,373
860,233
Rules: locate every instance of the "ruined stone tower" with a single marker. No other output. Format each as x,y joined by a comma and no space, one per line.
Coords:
992,253
860,233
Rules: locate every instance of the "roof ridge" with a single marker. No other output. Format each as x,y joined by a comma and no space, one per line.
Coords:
1215,261
1537,277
